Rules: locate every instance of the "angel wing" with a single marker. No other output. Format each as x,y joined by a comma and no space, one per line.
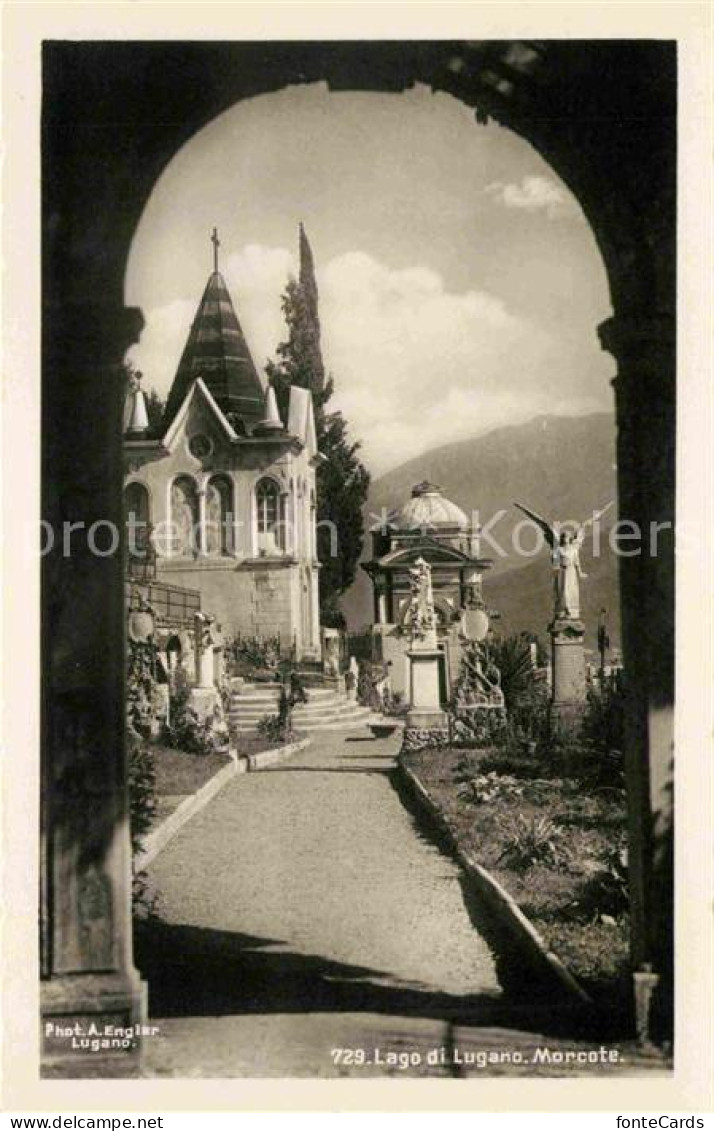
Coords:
596,515
550,533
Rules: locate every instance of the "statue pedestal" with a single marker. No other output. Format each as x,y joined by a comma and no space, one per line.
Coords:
205,669
426,724
569,681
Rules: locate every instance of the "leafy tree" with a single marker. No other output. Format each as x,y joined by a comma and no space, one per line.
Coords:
342,486
343,481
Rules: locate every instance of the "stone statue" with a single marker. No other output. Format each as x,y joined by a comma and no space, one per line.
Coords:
421,616
565,555
205,640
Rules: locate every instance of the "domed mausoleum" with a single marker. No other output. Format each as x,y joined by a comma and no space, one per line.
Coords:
429,509
429,526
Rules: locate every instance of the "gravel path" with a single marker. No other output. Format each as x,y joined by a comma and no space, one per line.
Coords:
303,913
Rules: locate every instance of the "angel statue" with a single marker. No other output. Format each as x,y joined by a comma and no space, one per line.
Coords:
565,555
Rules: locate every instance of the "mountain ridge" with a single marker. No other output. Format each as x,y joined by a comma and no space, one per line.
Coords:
562,467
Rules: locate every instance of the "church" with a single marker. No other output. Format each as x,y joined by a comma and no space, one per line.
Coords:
223,502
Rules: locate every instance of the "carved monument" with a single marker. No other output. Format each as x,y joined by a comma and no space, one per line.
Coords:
426,723
567,630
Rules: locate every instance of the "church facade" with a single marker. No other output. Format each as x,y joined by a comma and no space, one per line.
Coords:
223,502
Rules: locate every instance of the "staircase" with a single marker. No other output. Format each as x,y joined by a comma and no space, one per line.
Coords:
325,709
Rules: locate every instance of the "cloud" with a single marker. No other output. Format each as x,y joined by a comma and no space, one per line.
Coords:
533,194
415,364
158,352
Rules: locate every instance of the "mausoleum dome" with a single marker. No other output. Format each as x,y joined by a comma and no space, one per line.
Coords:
429,509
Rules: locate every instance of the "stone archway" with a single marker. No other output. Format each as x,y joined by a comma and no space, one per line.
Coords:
603,114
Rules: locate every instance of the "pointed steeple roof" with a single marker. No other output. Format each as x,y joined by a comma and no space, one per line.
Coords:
217,351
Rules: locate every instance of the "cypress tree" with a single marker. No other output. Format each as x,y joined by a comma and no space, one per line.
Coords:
343,481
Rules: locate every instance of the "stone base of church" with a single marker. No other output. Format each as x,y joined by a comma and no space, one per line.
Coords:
93,1025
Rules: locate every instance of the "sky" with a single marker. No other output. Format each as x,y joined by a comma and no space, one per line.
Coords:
460,283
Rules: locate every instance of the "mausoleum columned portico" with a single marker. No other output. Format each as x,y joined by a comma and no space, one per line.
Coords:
434,529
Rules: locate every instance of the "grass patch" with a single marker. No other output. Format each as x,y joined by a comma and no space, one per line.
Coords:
554,844
179,774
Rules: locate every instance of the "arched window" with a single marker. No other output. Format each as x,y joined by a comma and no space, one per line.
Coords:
185,538
219,516
268,511
137,518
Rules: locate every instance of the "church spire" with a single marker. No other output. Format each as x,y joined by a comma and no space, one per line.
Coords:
216,244
216,350
308,291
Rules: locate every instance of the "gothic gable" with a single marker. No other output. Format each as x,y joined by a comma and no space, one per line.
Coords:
199,422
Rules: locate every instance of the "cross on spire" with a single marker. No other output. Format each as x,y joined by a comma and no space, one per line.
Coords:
216,244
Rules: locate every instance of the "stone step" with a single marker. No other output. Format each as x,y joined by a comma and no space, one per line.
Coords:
241,702
299,717
303,717
269,692
272,705
348,723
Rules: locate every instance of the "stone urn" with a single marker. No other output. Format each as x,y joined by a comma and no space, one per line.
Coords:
141,626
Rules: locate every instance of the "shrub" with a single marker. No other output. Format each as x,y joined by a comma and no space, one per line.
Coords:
515,764
140,685
512,657
394,706
142,809
279,728
185,731
143,900
528,717
142,788
274,729
604,895
491,787
603,734
251,654
370,676
529,841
